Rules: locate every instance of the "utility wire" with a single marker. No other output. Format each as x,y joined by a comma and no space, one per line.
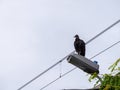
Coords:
68,55
57,78
106,49
104,30
76,67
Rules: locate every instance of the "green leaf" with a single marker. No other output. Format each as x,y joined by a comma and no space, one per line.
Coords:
113,66
93,76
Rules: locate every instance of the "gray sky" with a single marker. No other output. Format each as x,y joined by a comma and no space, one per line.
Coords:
35,34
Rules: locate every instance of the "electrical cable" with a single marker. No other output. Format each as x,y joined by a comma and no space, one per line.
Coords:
60,68
76,67
108,28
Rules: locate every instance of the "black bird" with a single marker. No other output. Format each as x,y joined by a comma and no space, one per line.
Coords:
79,45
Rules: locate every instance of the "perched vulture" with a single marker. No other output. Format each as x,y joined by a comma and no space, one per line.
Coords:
79,46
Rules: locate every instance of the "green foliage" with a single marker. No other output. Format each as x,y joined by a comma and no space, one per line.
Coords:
93,76
113,67
109,81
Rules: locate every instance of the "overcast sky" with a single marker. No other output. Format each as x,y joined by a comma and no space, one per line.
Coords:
35,34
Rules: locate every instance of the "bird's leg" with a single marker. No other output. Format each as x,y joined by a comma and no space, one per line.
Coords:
78,53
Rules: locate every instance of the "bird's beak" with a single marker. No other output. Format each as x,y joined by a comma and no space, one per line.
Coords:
74,36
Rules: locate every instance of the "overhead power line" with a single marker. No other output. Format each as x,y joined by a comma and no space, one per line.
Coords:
104,31
68,55
76,67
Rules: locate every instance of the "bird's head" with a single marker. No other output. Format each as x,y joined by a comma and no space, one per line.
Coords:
76,36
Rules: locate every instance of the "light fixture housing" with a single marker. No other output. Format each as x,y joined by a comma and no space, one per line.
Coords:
83,63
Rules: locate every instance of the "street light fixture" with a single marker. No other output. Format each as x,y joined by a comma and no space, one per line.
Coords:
83,63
